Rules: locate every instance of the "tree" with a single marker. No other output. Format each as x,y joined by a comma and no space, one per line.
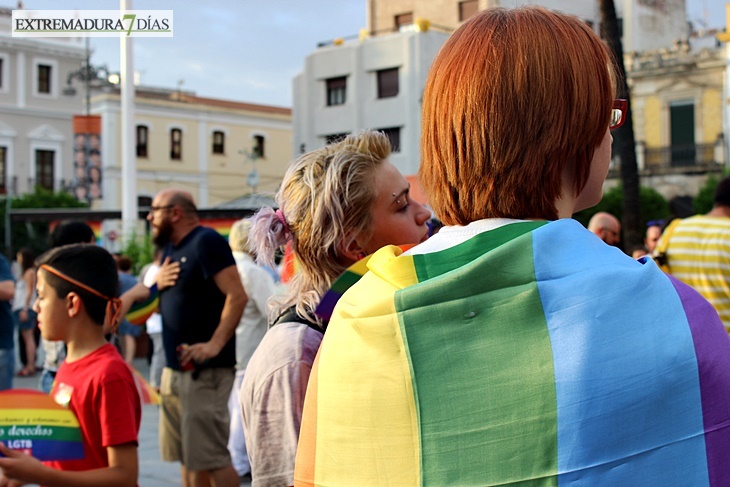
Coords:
654,207
34,235
705,199
140,250
624,137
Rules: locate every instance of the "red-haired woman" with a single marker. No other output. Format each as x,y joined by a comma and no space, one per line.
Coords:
515,347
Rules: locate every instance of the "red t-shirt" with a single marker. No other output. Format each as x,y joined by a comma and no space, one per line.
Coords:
100,390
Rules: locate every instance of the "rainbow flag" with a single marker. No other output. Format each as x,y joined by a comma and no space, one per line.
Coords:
140,311
346,280
32,422
147,393
289,264
529,354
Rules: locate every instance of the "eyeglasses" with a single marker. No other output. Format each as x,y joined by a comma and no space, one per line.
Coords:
158,208
618,113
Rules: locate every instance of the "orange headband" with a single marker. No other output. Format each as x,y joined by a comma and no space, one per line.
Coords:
113,306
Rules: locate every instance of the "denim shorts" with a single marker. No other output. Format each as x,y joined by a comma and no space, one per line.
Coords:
30,323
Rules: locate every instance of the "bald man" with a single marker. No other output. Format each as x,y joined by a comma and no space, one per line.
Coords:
606,226
201,303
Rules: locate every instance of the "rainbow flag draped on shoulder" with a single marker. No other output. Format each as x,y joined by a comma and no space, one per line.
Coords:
529,354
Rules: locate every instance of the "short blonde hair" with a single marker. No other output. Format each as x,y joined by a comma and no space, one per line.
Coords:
238,236
326,198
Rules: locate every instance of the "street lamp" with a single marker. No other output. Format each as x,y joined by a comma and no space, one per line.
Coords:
91,76
252,178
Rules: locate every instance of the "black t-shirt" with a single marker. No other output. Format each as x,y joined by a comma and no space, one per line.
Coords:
191,309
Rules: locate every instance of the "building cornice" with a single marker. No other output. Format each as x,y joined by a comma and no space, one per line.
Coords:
111,105
34,112
42,47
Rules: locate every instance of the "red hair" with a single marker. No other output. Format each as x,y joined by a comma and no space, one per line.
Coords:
512,99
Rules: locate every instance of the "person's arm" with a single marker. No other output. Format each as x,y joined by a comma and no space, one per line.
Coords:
261,289
29,278
121,472
229,283
272,421
7,290
138,292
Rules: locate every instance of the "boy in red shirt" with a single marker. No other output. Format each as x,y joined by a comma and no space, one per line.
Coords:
76,289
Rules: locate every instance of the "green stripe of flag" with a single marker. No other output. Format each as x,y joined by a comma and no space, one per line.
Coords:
455,257
482,366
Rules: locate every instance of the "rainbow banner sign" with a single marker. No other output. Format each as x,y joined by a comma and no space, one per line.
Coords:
33,423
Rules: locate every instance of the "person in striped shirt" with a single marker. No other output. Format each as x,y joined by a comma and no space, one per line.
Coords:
698,252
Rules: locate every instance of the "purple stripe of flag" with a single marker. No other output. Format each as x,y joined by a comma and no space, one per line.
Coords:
712,347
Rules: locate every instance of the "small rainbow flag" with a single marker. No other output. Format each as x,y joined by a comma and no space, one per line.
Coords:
147,393
289,264
142,310
32,422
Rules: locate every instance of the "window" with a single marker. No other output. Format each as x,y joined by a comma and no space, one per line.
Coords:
393,134
403,20
682,133
3,170
44,168
176,144
467,8
336,91
219,139
142,133
258,146
44,78
387,83
331,139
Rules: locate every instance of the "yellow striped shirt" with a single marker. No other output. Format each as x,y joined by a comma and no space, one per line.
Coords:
698,254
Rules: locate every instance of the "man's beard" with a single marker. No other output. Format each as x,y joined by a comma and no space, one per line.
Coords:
163,234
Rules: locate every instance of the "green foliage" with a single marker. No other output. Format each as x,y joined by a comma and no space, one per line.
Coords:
705,199
33,235
653,205
140,250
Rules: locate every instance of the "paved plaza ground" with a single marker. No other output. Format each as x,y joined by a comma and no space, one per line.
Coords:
153,472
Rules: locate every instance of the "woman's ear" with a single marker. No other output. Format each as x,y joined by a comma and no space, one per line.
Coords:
351,249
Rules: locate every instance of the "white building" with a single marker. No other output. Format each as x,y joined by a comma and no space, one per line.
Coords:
374,83
36,133
377,81
646,24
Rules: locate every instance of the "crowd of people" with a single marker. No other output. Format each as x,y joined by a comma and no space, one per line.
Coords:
508,344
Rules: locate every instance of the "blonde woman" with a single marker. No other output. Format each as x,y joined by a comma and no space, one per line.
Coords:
336,205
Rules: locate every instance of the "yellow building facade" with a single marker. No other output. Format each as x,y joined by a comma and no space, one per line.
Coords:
218,150
677,105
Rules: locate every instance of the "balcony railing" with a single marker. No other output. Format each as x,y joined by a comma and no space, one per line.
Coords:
676,159
681,156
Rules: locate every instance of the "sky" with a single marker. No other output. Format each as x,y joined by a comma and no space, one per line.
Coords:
249,50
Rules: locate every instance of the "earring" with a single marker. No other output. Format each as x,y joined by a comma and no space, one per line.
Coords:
360,255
